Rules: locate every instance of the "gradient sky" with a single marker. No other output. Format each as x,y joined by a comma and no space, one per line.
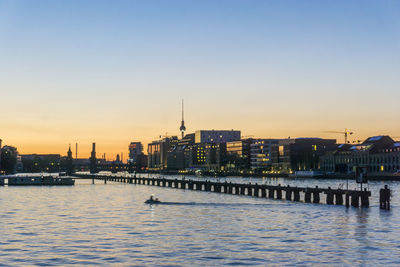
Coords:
112,72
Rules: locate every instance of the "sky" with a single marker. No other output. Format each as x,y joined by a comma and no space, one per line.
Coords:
113,72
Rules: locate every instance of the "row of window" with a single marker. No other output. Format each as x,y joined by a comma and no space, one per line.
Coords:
373,160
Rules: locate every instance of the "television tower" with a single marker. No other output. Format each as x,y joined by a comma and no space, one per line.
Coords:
182,128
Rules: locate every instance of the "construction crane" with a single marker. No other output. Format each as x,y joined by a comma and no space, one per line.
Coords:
164,136
346,134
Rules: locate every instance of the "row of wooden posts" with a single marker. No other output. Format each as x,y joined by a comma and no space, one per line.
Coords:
354,198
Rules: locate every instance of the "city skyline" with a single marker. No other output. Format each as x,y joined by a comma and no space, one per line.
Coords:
124,152
111,74
199,133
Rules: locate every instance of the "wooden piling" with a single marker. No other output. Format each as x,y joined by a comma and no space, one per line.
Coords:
316,198
263,192
243,189
271,192
365,198
230,188
296,194
355,199
384,198
339,197
307,195
288,193
329,196
279,192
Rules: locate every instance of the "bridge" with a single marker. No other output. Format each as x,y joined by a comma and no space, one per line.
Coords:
355,198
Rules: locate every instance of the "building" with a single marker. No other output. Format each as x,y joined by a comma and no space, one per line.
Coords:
186,154
271,155
179,157
137,159
216,136
141,163
82,164
176,158
238,155
205,150
135,149
158,152
207,156
288,155
305,153
41,162
10,160
380,154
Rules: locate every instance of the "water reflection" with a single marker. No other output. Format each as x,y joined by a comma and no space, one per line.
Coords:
110,225
361,235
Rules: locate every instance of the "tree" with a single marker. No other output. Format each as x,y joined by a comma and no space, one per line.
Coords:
8,159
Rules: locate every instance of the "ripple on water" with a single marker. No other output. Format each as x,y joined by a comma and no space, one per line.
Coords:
63,226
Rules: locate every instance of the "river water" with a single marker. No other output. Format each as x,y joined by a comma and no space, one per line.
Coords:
108,224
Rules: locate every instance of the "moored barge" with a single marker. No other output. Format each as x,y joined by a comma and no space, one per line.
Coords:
40,180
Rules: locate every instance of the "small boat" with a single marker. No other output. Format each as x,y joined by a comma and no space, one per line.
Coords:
152,200
155,201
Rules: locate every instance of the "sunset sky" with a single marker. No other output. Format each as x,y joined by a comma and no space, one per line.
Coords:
113,72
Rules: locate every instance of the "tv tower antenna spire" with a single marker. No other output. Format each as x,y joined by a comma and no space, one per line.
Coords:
182,128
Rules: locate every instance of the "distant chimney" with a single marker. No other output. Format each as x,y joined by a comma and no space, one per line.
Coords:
93,155
93,161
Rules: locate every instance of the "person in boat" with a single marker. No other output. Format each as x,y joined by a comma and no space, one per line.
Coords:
152,200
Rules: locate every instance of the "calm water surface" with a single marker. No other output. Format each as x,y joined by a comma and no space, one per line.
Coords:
110,225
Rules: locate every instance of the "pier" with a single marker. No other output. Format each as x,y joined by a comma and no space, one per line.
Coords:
354,198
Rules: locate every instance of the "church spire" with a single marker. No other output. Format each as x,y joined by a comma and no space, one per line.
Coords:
69,151
69,168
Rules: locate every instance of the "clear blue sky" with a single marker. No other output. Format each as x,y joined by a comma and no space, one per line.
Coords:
115,71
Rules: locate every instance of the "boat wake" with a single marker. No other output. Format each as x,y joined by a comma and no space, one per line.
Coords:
208,204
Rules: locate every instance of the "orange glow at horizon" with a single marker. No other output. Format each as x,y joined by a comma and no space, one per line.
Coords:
115,140
271,69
